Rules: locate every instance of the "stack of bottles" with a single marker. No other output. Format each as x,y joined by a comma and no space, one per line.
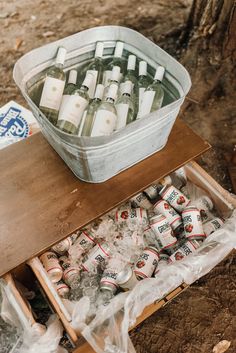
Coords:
154,229
112,93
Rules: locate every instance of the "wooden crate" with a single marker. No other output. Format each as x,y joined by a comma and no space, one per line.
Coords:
224,203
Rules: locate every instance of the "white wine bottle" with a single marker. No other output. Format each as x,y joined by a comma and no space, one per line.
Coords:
125,106
130,74
90,113
53,88
116,61
70,118
114,80
96,68
143,81
69,89
153,95
105,119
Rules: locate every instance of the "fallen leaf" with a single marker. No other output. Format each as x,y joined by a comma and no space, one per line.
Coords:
48,34
13,14
222,346
18,43
73,191
4,15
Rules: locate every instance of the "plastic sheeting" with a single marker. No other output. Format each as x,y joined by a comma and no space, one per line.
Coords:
32,338
108,331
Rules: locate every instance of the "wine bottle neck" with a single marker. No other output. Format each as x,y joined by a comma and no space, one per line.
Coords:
59,65
96,99
84,88
110,100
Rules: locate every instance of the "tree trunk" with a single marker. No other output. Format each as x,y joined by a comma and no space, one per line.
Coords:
208,47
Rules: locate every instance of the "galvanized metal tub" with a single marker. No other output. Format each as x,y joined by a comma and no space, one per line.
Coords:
100,158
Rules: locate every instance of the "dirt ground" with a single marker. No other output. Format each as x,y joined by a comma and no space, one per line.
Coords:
27,24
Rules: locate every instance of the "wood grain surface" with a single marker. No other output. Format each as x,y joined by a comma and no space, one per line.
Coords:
42,202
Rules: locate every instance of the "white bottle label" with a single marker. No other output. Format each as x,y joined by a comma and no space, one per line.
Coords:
147,101
104,123
122,114
74,110
52,93
93,84
64,101
141,92
82,123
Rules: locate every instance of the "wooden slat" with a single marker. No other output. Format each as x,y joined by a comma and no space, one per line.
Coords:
42,201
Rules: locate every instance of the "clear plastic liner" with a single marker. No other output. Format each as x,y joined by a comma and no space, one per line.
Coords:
29,338
108,331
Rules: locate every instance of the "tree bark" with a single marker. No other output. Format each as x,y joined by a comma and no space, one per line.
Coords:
208,47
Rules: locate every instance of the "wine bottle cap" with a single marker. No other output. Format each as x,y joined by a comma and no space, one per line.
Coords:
72,77
131,62
142,68
127,87
99,50
88,80
119,49
112,92
61,55
115,74
99,91
159,73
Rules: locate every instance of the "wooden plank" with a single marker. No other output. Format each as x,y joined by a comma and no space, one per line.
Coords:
42,202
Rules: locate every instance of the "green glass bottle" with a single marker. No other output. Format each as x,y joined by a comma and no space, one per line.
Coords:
143,81
96,68
125,106
53,88
69,119
91,112
105,119
116,61
153,95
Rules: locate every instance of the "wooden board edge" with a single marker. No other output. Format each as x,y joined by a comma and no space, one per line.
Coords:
71,332
19,299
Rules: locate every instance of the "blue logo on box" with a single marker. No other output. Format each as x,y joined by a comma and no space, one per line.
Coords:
12,124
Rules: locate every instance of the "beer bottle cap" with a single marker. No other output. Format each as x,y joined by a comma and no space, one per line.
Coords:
131,62
142,68
61,56
115,74
99,50
119,49
99,91
72,76
159,73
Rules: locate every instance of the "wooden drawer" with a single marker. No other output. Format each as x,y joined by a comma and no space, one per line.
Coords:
224,203
20,305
